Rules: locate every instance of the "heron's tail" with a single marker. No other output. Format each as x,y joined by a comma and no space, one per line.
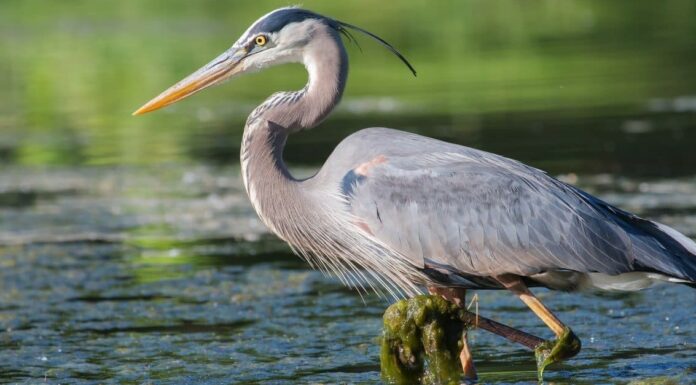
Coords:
658,249
680,253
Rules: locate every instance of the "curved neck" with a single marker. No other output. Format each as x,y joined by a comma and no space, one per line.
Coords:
274,193
326,62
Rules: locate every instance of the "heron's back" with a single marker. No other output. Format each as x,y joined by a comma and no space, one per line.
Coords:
464,215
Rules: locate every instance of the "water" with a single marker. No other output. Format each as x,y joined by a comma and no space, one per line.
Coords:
128,249
138,275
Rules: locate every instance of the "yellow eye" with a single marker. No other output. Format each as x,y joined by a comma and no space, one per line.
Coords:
261,40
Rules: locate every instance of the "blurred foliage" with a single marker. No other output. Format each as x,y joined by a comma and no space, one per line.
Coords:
72,72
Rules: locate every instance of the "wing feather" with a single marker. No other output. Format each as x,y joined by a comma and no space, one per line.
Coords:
487,215
477,214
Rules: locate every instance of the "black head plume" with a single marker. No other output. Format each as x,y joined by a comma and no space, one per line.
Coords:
343,28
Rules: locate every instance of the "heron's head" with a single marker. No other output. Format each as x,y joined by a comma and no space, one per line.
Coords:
281,36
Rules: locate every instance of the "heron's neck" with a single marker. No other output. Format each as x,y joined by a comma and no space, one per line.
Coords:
278,197
327,66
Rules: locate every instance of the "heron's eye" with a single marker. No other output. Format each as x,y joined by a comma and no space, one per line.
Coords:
261,40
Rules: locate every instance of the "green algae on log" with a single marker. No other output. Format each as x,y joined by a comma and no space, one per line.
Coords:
421,342
548,352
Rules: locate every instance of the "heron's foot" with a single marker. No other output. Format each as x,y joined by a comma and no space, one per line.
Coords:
567,345
467,361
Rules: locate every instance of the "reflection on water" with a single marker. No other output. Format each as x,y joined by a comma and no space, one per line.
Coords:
72,72
128,249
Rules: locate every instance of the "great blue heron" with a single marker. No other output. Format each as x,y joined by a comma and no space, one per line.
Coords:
404,211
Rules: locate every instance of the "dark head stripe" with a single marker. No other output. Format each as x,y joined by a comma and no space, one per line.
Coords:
275,21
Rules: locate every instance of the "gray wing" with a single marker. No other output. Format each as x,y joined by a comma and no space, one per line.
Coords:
479,214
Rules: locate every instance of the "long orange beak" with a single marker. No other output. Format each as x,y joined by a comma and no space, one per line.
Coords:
215,72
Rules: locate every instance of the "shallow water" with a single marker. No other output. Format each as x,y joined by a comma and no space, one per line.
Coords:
138,275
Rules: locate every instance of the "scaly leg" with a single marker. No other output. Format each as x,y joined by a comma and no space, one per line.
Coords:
458,297
566,344
515,285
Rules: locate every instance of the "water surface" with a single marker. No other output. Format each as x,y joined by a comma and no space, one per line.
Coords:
145,275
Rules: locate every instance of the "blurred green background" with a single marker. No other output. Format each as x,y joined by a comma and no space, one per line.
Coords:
71,72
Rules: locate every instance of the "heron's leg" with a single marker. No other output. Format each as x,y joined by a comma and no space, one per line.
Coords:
566,344
511,334
515,285
458,297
